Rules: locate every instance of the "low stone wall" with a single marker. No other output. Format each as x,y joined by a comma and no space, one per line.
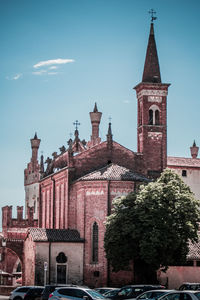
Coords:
6,290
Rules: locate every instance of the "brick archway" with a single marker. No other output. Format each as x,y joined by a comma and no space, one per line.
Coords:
16,247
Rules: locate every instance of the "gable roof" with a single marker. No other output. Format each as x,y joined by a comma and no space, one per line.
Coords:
183,162
114,172
54,235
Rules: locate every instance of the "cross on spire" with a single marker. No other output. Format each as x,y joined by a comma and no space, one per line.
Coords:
76,124
152,12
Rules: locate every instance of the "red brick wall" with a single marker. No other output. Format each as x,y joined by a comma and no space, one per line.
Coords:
98,156
29,262
91,200
54,201
16,228
152,139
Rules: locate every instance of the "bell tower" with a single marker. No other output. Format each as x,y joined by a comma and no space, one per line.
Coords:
152,112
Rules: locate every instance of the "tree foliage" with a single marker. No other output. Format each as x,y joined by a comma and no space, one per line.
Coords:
154,226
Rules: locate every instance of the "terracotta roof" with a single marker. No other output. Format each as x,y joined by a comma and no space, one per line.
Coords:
194,251
114,172
183,162
55,235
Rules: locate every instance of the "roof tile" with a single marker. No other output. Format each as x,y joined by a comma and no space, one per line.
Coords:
55,235
114,172
183,162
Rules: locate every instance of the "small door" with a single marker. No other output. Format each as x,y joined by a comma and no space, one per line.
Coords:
61,273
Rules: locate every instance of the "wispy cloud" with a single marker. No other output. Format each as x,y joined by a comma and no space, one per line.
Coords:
52,73
53,68
41,72
15,77
58,61
44,72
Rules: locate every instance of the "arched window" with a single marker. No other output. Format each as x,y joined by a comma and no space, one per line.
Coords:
157,121
150,117
154,115
95,240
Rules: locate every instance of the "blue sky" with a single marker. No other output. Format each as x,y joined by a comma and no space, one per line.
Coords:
101,45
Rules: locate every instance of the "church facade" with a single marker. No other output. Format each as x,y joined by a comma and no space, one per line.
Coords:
67,202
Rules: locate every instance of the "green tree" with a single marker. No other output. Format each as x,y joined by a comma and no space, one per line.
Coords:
152,228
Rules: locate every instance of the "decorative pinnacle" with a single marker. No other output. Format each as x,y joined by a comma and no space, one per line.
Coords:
35,136
194,144
76,124
109,129
95,108
152,12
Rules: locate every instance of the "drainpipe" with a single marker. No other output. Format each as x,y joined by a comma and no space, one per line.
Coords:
49,262
108,213
53,217
84,240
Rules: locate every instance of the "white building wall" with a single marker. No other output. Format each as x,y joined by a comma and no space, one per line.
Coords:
192,179
47,252
32,198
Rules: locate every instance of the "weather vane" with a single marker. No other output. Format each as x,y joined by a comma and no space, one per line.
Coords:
76,124
152,12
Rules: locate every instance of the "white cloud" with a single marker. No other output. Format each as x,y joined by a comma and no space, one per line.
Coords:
53,68
41,72
58,61
52,73
15,77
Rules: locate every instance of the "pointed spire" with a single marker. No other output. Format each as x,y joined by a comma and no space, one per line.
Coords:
109,130
109,137
41,164
35,136
95,108
151,71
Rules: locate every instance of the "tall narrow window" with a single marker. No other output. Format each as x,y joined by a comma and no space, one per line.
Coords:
150,117
157,121
95,238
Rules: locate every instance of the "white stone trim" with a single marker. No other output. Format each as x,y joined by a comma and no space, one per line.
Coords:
152,93
157,99
155,135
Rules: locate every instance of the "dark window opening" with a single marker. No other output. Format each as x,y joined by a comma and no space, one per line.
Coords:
61,258
109,162
150,117
19,268
61,274
157,121
95,233
96,273
184,173
198,263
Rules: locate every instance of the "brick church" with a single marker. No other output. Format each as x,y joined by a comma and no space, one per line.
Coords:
69,196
